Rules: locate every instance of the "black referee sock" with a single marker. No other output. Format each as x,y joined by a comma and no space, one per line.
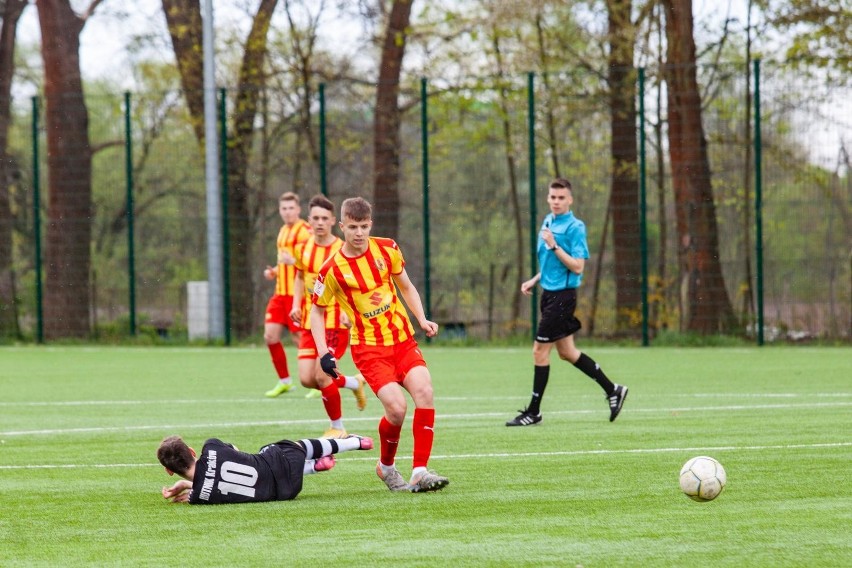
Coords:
588,366
540,376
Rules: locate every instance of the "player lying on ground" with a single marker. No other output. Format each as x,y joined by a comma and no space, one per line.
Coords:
223,474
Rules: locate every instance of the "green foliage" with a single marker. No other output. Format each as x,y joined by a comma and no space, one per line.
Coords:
476,259
81,484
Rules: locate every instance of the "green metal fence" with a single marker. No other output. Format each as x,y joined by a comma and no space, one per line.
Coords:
475,160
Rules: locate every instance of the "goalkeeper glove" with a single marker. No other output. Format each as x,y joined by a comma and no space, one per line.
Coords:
329,364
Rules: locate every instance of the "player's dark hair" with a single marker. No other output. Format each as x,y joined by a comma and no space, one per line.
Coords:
321,201
175,455
289,196
357,209
561,183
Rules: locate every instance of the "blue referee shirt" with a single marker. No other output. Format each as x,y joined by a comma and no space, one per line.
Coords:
570,234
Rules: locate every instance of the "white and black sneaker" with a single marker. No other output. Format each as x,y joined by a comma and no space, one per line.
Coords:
616,400
525,418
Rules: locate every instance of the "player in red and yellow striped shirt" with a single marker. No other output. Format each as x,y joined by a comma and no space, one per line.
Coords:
293,232
363,277
310,256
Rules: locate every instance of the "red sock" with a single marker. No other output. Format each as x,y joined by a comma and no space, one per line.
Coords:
424,422
331,401
279,359
389,435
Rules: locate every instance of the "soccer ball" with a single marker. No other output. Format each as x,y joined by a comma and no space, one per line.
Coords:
702,478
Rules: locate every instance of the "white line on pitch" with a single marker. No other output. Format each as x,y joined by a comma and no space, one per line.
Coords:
502,455
167,427
437,398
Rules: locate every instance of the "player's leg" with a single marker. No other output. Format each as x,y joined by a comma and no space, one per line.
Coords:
377,365
339,338
272,336
615,393
555,323
319,452
331,402
390,427
531,415
418,383
307,354
320,447
329,388
395,406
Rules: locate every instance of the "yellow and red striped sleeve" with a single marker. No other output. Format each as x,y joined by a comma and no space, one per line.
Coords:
288,237
309,259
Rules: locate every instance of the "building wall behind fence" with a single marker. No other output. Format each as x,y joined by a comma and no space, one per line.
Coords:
480,228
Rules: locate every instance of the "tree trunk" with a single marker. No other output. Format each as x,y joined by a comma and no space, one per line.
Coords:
387,123
512,170
183,18
549,114
67,297
8,314
708,305
624,195
660,306
239,190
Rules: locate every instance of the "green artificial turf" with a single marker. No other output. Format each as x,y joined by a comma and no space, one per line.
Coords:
79,481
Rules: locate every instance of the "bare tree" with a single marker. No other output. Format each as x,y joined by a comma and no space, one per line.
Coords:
708,306
11,11
67,299
624,192
251,81
387,121
183,18
511,168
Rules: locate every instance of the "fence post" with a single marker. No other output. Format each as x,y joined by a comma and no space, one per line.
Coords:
758,201
532,182
643,220
322,142
128,210
427,254
226,246
37,225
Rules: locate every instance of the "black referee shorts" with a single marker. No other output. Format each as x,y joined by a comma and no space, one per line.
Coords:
557,315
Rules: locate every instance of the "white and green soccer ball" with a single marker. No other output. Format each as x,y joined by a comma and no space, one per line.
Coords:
702,478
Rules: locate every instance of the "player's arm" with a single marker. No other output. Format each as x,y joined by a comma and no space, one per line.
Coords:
298,293
327,361
528,285
270,272
317,319
575,265
179,492
412,300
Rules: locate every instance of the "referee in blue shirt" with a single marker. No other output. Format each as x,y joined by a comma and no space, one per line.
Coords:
562,254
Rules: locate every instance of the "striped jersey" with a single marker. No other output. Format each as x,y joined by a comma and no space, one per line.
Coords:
288,238
365,290
309,259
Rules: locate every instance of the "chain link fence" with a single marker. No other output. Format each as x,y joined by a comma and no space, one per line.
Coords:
474,145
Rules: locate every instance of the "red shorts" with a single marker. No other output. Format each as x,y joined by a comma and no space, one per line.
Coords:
278,311
382,365
337,340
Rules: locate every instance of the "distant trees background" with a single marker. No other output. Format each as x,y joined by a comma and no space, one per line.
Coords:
476,55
